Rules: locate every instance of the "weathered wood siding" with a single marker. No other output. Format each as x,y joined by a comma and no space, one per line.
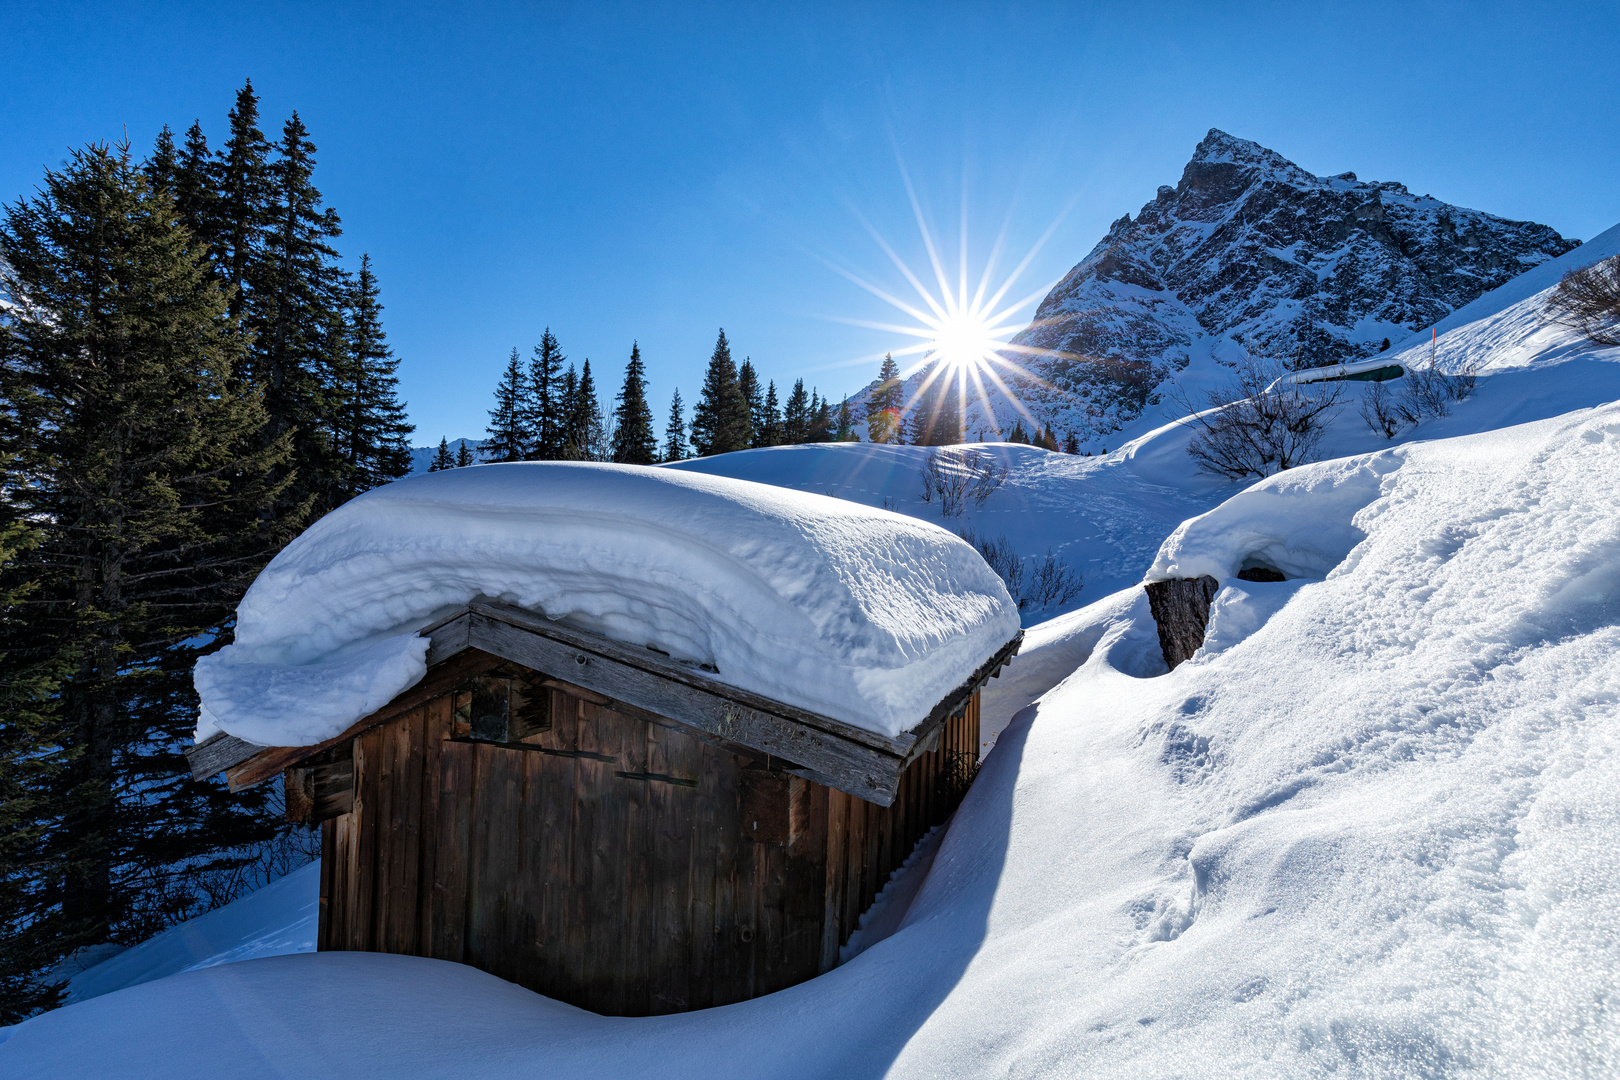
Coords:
618,863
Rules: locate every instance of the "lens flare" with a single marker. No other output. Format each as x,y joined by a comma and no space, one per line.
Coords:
959,334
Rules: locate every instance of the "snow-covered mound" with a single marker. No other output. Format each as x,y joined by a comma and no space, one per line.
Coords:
862,614
1368,831
276,920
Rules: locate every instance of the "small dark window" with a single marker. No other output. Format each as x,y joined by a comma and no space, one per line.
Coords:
503,708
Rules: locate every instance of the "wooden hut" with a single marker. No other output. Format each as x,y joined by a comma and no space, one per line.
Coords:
605,825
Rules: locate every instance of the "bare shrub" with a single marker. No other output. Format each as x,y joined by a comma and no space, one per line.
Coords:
1381,411
1429,392
1588,300
1258,424
1053,582
955,476
1001,557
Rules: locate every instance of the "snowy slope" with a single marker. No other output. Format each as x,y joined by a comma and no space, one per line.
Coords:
278,919
1367,833
1105,516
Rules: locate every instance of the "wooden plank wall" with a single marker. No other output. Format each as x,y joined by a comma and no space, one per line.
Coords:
608,863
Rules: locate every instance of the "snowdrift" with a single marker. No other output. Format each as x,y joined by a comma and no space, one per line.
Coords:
1370,834
864,615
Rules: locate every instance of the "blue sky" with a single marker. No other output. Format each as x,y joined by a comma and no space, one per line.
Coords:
650,172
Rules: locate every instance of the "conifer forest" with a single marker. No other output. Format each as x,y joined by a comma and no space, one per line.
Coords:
191,374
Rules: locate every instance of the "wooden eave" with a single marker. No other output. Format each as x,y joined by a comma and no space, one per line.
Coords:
638,682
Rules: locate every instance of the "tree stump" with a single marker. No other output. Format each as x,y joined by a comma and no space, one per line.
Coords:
1181,608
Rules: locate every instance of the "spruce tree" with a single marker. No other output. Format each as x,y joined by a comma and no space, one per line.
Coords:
753,400
570,449
585,427
883,407
770,419
846,424
821,419
507,438
442,459
142,468
796,416
163,167
633,439
34,749
371,433
720,419
243,209
545,413
197,197
675,430
299,296
464,455
936,417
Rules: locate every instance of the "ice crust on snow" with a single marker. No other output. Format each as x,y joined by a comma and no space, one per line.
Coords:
860,614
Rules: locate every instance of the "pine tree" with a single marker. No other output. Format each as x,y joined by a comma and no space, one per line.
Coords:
586,430
163,167
33,758
633,439
243,210
753,399
464,455
545,414
883,408
442,460
675,430
569,451
936,419
770,419
821,419
507,439
299,296
846,424
1071,445
197,198
796,416
143,470
371,433
720,420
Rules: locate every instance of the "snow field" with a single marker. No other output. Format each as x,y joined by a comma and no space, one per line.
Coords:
1369,835
1369,830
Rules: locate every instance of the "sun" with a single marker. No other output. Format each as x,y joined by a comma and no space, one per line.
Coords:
961,329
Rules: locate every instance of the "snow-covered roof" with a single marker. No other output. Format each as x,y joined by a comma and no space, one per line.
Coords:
860,614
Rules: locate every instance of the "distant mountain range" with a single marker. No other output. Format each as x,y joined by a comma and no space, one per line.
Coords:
1249,252
422,456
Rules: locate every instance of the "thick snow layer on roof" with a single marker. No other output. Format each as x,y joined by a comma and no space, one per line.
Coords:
863,615
1370,832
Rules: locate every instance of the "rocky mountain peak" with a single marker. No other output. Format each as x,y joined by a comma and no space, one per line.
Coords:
1250,252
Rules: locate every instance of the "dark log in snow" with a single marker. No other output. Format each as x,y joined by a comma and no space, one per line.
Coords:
1181,608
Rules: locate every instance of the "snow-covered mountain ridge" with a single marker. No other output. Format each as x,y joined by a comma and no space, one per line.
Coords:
1249,252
